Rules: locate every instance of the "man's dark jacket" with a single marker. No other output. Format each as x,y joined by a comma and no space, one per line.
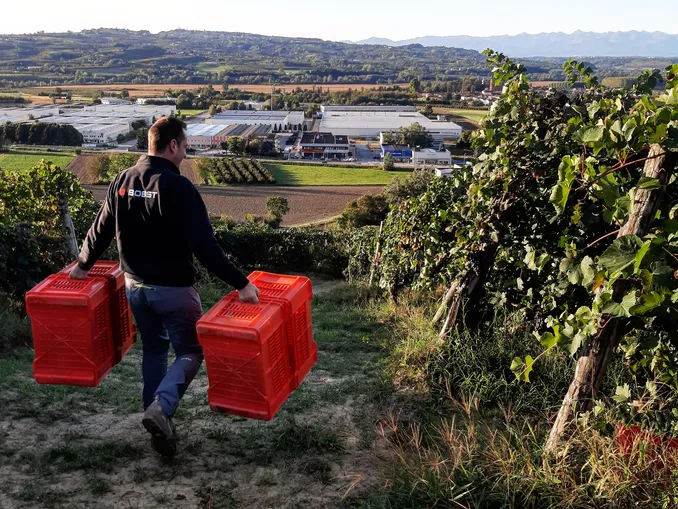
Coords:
160,222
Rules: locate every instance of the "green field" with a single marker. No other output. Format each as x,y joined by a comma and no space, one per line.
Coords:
302,175
474,116
191,113
19,162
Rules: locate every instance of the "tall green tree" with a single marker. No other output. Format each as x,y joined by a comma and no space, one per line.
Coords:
142,138
236,145
416,135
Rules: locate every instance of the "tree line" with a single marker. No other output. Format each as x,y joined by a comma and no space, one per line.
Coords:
41,133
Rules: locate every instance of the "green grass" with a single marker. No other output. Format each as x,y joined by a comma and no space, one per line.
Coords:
474,116
191,113
301,175
21,162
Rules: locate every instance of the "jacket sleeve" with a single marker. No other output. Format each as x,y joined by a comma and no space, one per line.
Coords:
205,246
101,232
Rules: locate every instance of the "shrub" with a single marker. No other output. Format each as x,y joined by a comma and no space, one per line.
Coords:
388,162
257,245
33,237
15,328
414,185
277,206
360,247
104,167
98,168
205,170
366,210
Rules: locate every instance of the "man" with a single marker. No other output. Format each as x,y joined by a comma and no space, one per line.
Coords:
160,222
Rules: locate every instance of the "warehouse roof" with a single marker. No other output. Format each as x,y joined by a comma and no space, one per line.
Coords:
205,129
339,107
381,120
253,115
323,139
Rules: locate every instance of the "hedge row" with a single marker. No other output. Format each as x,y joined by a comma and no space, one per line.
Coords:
293,250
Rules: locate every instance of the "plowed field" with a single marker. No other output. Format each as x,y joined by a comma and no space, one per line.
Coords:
307,203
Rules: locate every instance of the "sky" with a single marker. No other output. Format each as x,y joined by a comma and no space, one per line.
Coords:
345,20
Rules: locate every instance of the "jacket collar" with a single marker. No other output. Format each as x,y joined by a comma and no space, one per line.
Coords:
157,163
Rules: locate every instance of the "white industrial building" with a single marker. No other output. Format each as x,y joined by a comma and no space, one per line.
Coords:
114,101
16,114
449,172
94,134
149,112
164,100
428,156
324,146
277,120
336,107
369,121
205,135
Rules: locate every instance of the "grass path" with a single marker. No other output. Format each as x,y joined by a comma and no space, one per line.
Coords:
79,447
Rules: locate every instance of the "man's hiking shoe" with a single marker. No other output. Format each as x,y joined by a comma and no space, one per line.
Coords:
161,428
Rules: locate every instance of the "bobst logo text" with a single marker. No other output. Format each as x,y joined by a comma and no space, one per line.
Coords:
135,193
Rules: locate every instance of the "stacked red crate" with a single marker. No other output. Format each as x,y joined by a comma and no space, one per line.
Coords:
124,330
246,357
71,330
295,294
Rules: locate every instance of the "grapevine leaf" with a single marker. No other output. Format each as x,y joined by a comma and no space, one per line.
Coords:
621,254
623,308
649,183
548,340
648,302
622,394
587,271
593,134
640,255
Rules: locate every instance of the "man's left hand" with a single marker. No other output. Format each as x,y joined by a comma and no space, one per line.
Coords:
78,273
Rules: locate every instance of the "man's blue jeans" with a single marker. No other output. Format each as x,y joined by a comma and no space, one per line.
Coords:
164,315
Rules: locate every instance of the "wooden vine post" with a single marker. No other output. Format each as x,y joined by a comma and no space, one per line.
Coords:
68,222
375,261
592,363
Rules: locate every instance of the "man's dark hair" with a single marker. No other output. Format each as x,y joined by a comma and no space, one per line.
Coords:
163,132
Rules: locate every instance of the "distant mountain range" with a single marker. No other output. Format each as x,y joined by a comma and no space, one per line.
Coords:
556,44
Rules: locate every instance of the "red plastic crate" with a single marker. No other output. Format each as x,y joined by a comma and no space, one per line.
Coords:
246,358
72,338
295,293
124,330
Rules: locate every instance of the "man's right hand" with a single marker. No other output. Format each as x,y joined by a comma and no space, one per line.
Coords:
78,273
249,294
